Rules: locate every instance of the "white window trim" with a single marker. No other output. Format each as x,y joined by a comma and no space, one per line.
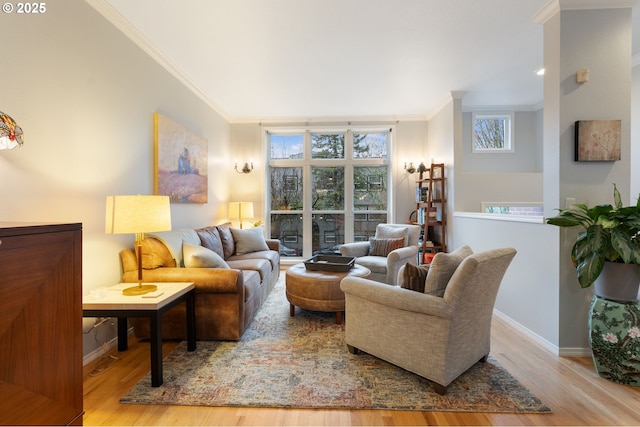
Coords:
509,140
348,162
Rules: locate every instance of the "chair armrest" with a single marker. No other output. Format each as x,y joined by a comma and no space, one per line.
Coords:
403,255
273,244
356,249
396,297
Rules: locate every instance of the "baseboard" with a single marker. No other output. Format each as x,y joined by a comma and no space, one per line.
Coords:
99,352
558,351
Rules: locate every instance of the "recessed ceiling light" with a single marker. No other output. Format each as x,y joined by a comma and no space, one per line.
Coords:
540,72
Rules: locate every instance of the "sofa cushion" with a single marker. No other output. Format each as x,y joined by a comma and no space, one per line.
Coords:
200,257
382,247
262,266
414,277
249,240
173,241
210,239
392,232
272,256
228,245
374,263
155,254
442,268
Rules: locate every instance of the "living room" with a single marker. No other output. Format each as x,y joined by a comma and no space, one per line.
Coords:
85,95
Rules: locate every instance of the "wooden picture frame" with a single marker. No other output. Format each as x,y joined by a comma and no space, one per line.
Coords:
597,140
181,162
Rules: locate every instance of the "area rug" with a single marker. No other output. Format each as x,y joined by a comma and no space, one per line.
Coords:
303,362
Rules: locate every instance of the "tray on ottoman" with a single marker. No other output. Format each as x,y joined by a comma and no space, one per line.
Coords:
330,263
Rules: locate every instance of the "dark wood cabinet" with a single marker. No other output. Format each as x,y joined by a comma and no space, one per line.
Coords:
40,324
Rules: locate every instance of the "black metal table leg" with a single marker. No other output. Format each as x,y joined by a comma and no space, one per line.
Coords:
156,349
123,334
191,321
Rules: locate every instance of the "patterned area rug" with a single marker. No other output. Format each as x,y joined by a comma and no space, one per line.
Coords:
303,362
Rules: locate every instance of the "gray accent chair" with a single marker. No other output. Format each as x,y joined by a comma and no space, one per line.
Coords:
436,338
385,269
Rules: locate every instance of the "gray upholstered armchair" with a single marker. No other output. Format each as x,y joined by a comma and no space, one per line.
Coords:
385,268
437,338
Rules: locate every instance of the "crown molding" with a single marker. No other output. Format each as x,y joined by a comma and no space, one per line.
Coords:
555,6
329,120
104,8
516,108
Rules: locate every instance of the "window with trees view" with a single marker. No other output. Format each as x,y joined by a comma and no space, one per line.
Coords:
327,188
492,132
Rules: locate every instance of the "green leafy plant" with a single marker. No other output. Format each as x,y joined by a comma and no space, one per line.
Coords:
610,233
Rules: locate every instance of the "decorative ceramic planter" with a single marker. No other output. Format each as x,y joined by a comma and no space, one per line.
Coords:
615,340
618,282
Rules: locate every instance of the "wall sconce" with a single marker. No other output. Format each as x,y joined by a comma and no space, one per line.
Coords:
10,133
245,169
422,168
409,168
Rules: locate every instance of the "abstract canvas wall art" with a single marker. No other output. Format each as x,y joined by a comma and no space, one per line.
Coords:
597,140
181,162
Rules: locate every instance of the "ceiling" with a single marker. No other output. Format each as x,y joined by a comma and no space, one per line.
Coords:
256,60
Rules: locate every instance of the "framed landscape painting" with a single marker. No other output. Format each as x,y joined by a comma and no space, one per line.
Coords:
597,140
181,162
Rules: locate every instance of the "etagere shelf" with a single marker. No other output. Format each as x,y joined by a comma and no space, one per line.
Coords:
431,211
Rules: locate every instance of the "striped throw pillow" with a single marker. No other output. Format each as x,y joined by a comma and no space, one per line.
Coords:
414,277
382,247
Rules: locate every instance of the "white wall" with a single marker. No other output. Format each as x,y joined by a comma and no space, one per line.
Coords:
527,143
84,96
528,292
445,135
635,134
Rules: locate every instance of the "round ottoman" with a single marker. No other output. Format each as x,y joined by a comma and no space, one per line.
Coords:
318,290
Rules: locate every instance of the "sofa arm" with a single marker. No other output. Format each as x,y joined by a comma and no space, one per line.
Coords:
206,280
356,249
395,297
273,244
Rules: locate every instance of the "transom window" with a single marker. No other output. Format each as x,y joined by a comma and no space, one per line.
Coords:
327,187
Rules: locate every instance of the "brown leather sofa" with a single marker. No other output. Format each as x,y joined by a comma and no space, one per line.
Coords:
226,298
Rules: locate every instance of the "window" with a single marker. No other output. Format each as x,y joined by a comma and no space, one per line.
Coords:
513,208
492,133
327,187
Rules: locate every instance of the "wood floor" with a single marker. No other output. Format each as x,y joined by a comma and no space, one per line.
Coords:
569,386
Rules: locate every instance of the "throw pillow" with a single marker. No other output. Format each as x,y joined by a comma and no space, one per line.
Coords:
382,247
155,254
173,241
414,277
249,240
392,232
201,257
228,245
442,268
210,239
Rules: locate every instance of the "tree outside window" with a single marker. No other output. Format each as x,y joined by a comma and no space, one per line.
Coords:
492,133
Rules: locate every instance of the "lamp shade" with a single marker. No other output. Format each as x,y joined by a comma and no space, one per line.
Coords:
240,210
137,214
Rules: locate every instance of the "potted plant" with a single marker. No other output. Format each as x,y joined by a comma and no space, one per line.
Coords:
607,254
610,235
